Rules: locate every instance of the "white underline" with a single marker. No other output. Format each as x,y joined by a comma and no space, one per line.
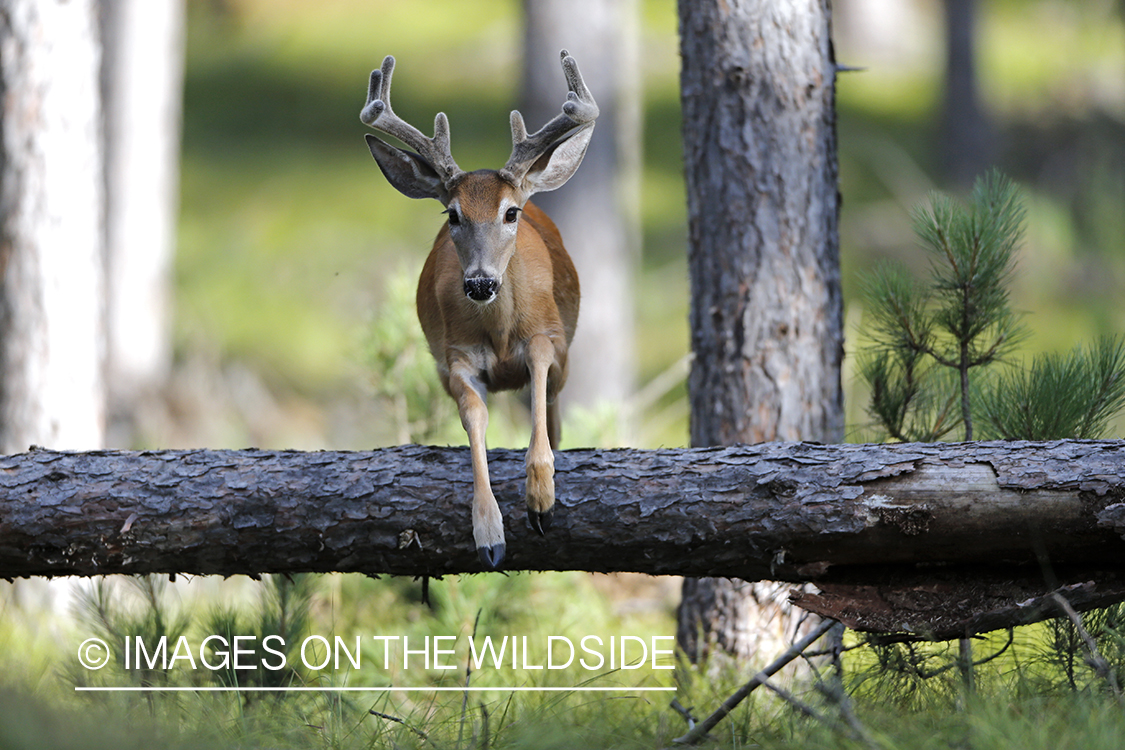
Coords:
392,689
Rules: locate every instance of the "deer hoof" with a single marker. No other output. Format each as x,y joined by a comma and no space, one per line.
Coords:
491,556
540,521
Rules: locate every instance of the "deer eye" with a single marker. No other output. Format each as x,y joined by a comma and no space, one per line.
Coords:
511,215
454,217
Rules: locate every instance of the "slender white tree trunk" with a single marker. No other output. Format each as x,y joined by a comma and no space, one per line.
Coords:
598,212
52,339
142,83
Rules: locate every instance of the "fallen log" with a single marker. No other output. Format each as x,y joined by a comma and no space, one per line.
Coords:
894,535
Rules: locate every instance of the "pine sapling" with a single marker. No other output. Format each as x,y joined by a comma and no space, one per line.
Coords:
960,321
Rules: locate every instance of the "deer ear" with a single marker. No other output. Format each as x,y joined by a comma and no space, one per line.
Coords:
407,172
551,170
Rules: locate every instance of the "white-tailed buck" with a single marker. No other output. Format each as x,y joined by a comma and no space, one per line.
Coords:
498,295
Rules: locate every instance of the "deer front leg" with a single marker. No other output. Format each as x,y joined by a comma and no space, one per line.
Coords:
488,524
544,435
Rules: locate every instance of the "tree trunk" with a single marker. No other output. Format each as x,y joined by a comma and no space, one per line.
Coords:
51,230
758,91
598,213
142,88
920,540
966,134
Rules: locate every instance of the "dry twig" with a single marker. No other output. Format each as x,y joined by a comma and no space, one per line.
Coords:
465,695
699,731
1093,658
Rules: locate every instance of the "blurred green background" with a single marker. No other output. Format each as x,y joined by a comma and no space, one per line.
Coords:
294,322
289,236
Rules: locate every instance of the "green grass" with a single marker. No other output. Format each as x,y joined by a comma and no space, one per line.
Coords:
1023,698
993,722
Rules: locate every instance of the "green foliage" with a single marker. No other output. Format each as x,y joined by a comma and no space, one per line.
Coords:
30,722
140,609
283,615
909,675
929,340
1062,662
972,251
904,396
960,321
1070,395
401,368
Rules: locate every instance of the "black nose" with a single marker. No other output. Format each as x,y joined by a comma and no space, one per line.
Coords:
481,289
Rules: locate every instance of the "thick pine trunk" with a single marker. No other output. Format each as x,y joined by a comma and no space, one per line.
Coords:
758,92
916,539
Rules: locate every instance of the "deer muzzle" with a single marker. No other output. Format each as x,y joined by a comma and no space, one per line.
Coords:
481,288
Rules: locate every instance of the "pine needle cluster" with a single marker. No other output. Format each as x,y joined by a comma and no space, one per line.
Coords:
932,341
1071,395
144,608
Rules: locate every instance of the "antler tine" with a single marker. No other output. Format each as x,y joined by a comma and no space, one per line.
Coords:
578,111
378,115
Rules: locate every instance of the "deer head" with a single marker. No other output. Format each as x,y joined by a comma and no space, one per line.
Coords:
483,207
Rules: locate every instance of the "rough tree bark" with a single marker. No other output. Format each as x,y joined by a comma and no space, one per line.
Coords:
51,229
758,93
944,539
598,213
